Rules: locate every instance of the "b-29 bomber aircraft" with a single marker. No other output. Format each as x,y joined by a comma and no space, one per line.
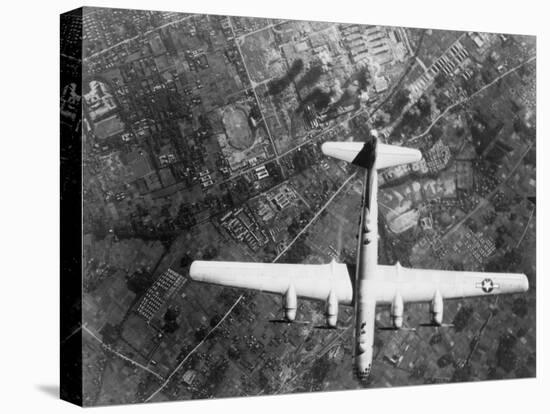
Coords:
371,284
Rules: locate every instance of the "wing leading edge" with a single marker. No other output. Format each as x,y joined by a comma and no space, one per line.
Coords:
420,285
309,281
318,281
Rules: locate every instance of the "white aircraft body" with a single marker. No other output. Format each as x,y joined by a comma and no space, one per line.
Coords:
372,284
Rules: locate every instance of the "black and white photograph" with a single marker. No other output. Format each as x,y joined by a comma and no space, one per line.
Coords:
278,209
274,206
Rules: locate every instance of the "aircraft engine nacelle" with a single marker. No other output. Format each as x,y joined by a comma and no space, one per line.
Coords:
331,310
290,304
436,309
396,312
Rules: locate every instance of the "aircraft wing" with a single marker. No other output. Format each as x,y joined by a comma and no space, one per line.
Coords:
308,281
420,285
318,281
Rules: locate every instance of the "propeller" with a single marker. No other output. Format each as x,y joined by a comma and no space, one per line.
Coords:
288,322
393,328
332,328
435,325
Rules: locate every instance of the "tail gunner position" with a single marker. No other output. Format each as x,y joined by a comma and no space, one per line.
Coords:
372,284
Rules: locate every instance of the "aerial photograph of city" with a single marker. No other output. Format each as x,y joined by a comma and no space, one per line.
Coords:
202,139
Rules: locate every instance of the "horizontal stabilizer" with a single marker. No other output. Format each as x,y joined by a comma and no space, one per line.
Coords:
365,154
393,155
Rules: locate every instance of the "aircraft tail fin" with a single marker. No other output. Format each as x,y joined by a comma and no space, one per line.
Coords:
364,154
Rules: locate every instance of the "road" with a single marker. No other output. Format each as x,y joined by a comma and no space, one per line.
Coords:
412,102
124,357
242,295
482,203
323,208
348,117
450,107
315,357
261,29
165,383
277,157
253,84
526,227
103,51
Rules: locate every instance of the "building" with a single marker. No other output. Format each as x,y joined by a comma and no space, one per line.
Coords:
243,227
164,287
99,100
261,172
437,157
380,84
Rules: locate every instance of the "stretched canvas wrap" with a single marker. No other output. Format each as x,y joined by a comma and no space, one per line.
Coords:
251,206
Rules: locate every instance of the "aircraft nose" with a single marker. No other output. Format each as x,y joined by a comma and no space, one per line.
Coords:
364,374
363,365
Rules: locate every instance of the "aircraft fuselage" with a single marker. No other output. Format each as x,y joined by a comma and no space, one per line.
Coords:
367,262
